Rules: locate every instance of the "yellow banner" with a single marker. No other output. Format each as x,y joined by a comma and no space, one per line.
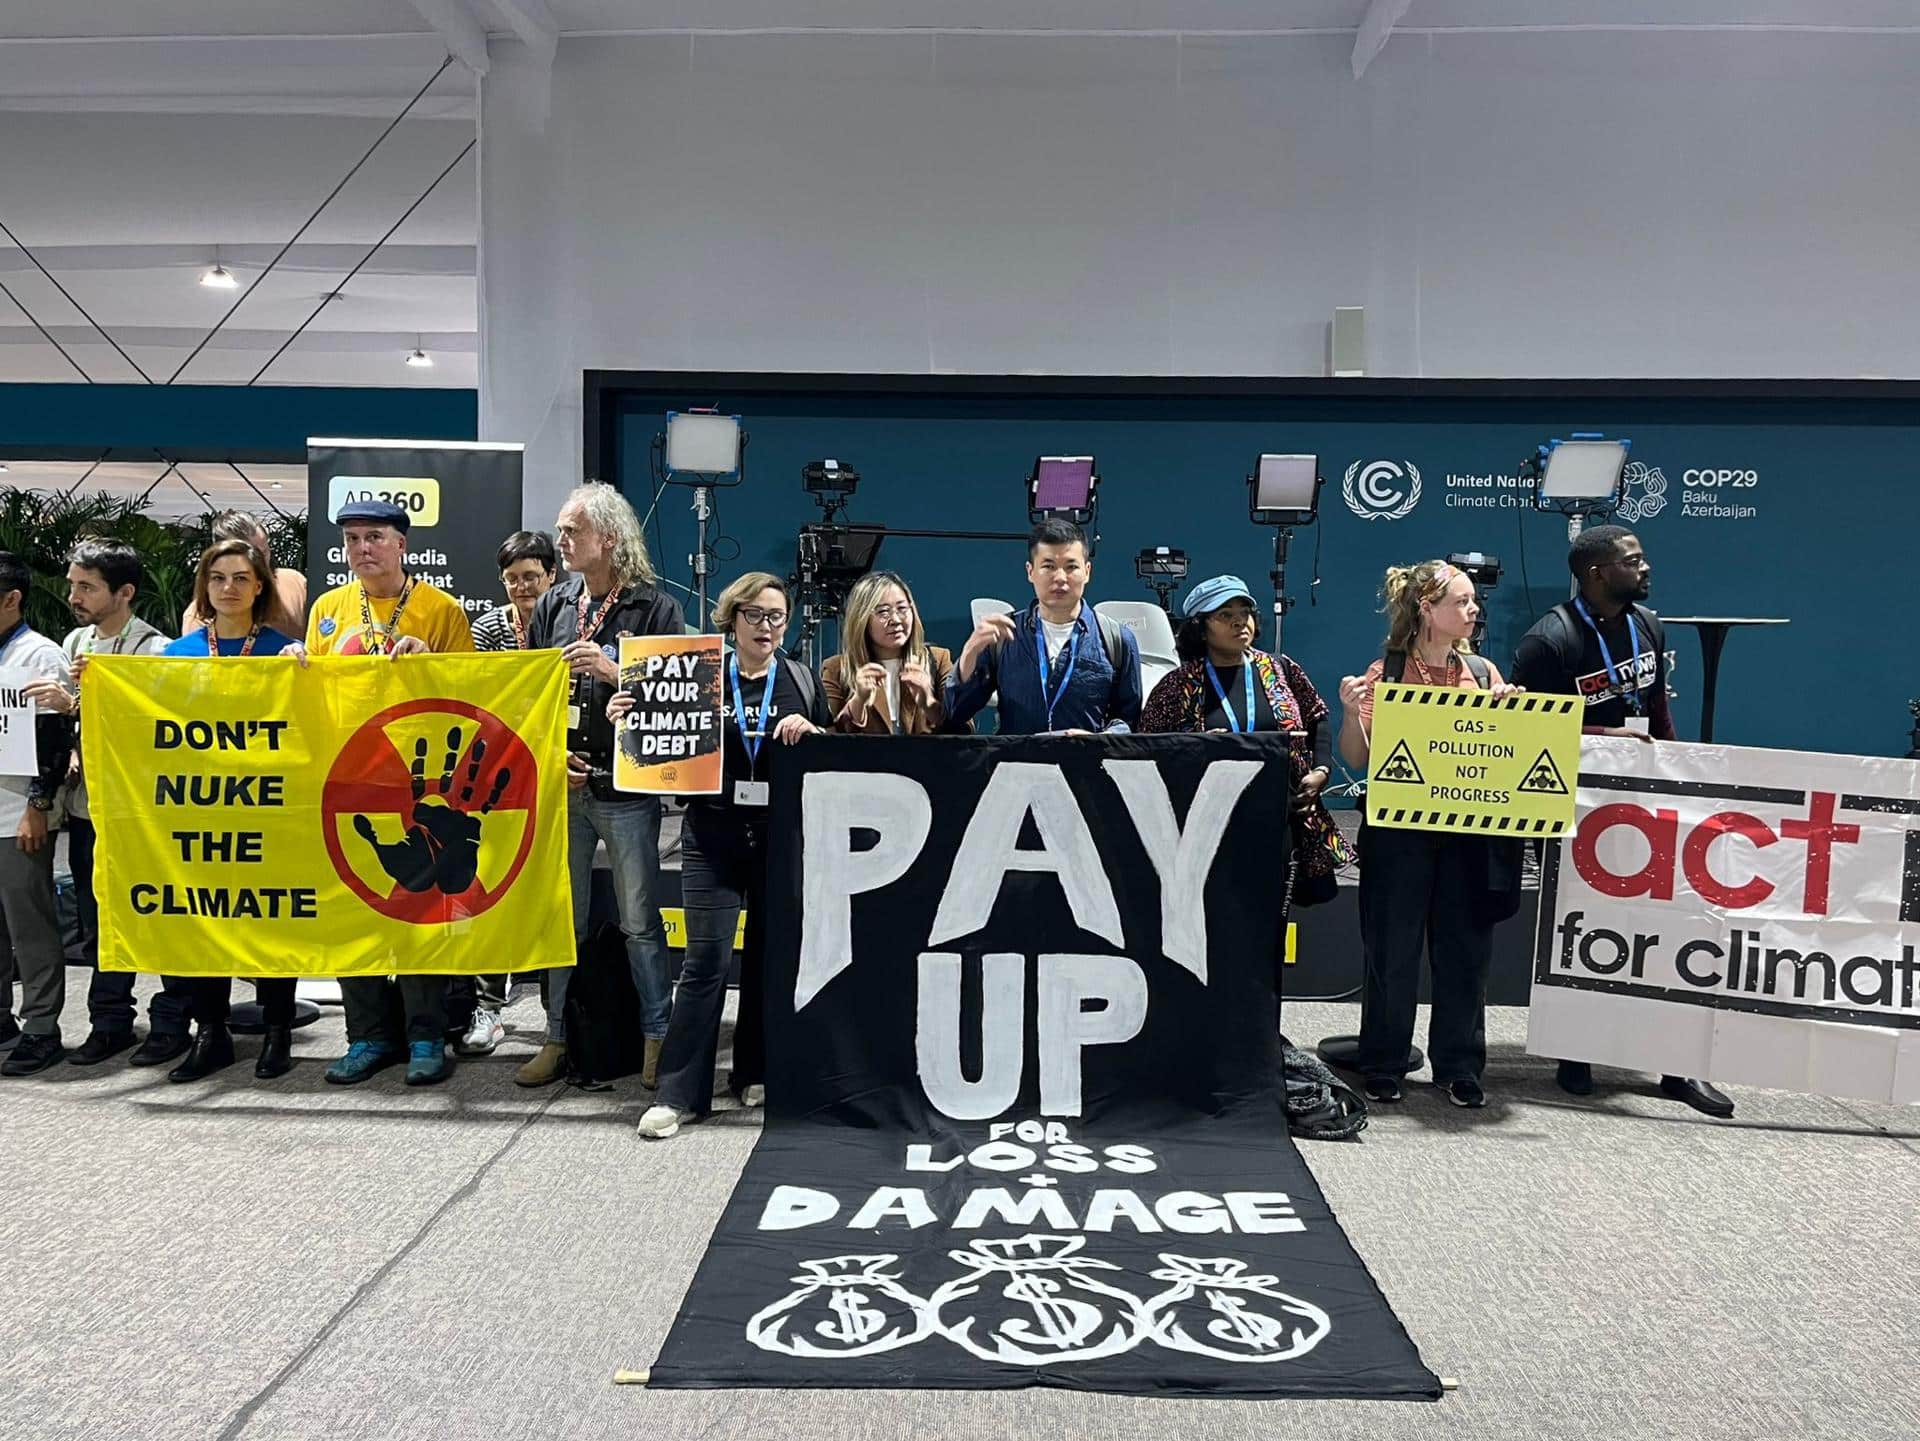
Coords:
1447,759
670,742
362,816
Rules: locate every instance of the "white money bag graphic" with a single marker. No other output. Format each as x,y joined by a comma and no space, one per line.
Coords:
1216,1308
1033,1301
844,1306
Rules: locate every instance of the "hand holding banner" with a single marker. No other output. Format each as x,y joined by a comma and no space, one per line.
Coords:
1449,759
358,817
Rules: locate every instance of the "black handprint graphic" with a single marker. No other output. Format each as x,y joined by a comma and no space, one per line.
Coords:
441,849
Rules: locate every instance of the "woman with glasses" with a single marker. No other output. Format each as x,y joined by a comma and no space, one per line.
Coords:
234,586
527,569
886,680
768,696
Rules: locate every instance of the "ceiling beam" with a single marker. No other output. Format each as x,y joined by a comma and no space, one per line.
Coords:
533,23
1375,27
466,38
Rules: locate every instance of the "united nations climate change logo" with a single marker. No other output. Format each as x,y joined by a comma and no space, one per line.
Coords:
1381,489
1644,495
429,811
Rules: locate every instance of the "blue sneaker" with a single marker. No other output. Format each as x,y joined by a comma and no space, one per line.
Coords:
362,1059
427,1063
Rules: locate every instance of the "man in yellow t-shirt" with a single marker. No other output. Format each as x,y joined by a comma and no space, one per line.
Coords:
385,611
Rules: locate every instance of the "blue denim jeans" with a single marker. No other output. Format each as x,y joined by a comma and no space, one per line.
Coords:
630,826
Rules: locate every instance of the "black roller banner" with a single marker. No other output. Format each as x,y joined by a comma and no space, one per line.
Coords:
462,499
1024,1119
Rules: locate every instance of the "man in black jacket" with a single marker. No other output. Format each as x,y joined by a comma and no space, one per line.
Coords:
1604,645
613,592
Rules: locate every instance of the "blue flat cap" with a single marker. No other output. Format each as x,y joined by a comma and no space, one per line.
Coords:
1210,595
374,512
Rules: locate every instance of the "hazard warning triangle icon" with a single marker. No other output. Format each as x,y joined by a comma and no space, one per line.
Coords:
1400,766
1543,777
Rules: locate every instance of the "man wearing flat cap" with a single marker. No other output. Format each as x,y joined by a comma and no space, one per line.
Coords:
386,611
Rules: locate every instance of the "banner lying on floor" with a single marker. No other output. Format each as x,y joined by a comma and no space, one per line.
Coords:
360,816
1740,915
1024,1123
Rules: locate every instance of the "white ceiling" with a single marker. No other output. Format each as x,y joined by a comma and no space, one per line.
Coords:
139,137
190,489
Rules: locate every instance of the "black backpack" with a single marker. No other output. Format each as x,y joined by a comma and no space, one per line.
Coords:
603,1013
1320,1106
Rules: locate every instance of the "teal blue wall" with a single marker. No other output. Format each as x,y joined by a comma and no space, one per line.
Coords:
1830,543
260,422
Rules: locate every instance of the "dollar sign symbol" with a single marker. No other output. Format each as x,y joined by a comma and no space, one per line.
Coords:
1063,1322
855,1322
1236,1323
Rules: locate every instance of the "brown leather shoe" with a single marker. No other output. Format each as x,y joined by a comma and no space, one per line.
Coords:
650,1066
547,1066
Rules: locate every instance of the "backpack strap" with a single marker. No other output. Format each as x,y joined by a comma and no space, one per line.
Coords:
1482,676
1113,636
1393,665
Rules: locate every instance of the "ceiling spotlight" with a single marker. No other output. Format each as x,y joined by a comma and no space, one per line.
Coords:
219,278
3,467
419,358
275,484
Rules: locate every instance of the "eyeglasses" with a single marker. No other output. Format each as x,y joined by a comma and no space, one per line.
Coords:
755,616
904,611
521,582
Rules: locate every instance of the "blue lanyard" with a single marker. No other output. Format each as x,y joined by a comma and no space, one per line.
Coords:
1073,656
752,740
1246,674
1629,686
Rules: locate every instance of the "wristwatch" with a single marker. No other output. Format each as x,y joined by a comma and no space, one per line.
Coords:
41,803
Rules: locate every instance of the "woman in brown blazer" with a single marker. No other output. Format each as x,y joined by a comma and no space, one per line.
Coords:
887,680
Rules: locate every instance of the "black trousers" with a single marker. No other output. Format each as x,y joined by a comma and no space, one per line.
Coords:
110,1003
723,866
1418,894
209,999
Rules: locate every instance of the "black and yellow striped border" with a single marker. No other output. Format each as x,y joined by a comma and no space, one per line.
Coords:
1453,695
1468,821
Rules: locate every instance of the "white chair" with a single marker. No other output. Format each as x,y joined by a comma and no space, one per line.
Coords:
986,605
1152,672
1152,632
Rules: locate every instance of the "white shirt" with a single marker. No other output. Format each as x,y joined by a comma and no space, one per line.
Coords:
1057,636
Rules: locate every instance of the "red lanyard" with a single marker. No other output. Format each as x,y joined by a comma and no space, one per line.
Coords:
519,627
588,632
246,649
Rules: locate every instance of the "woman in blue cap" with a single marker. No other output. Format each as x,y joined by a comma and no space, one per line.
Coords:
1225,684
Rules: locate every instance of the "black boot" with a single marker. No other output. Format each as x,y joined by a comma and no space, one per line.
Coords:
212,1049
276,1053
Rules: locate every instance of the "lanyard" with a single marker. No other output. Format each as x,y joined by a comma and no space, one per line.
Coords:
213,642
1246,674
588,632
377,637
519,627
752,740
1040,649
1629,687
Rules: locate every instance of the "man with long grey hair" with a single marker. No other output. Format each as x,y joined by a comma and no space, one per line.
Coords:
612,592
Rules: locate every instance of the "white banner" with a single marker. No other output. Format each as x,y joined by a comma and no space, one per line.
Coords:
1736,915
18,756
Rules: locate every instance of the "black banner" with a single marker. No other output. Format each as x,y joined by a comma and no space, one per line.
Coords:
462,497
1024,1122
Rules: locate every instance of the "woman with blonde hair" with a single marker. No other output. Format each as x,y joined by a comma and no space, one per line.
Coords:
886,680
766,694
1424,890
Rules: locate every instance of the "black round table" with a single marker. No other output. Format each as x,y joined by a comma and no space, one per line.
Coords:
1713,639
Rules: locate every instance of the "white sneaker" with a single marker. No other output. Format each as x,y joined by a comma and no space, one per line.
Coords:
661,1122
753,1096
483,1035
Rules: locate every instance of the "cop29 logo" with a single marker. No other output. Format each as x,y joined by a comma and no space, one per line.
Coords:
1381,489
1644,493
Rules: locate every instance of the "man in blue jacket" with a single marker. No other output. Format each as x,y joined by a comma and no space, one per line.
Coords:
1059,667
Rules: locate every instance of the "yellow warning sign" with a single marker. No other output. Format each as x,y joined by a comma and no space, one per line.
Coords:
1459,760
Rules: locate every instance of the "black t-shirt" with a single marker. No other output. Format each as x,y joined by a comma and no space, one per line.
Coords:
1561,655
1233,682
761,717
